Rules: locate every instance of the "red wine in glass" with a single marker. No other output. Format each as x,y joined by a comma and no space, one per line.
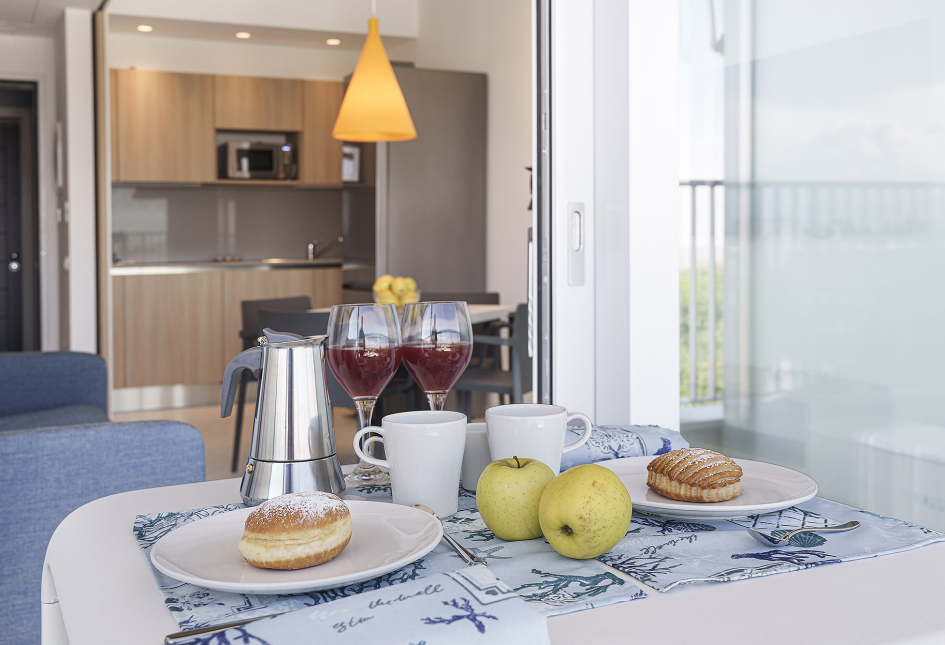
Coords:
364,350
436,368
437,346
363,371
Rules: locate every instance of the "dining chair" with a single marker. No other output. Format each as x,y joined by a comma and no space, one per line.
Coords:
315,323
514,382
481,358
471,297
249,332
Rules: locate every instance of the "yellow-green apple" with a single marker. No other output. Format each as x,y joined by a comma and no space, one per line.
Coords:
508,493
585,511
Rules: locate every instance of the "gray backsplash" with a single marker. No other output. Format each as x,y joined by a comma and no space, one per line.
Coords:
187,224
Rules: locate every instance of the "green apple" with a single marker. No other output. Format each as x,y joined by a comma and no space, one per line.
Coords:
508,493
585,511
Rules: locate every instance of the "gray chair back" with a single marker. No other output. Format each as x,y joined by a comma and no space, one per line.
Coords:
471,297
250,314
307,323
521,362
50,472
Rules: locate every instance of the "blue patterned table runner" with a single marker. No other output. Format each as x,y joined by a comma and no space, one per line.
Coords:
459,607
664,553
550,583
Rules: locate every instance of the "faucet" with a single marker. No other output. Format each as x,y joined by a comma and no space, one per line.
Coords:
314,251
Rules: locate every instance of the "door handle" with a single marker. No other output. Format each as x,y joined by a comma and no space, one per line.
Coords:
14,266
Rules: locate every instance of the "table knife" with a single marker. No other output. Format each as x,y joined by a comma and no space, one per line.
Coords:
212,629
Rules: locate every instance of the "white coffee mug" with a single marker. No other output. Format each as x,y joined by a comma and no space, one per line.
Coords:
424,455
476,456
532,430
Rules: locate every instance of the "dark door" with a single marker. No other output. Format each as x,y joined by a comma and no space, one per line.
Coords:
11,284
19,219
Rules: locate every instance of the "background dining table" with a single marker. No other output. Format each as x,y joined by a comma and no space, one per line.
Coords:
98,588
477,313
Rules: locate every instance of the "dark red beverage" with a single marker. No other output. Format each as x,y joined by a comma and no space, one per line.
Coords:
436,367
363,371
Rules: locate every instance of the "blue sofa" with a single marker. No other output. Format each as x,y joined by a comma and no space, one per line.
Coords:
60,452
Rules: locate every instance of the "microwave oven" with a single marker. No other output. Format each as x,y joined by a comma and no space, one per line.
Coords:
249,160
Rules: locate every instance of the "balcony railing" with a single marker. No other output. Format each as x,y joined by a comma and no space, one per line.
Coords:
700,310
786,210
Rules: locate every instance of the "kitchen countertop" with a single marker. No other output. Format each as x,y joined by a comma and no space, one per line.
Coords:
267,264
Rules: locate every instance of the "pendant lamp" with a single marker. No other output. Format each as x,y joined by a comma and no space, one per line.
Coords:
374,108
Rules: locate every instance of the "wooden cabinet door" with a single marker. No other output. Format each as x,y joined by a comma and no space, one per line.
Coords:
251,103
162,126
319,152
167,329
323,286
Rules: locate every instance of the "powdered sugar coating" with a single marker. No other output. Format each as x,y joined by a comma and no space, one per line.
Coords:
306,509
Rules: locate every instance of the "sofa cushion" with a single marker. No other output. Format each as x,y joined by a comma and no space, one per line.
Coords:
65,415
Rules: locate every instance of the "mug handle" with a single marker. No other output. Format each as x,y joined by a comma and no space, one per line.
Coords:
584,437
357,445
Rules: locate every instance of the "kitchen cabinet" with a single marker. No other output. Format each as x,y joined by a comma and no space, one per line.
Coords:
323,286
183,328
167,329
319,152
251,103
162,127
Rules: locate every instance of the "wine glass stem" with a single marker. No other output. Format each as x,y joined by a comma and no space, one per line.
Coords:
437,400
365,412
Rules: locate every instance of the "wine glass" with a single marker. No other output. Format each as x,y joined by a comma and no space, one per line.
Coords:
437,346
364,351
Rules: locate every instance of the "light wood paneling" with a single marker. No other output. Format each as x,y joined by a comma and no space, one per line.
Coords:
184,328
113,118
319,152
250,103
119,366
163,126
323,286
172,326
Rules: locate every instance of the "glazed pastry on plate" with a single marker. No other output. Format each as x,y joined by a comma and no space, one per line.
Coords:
695,475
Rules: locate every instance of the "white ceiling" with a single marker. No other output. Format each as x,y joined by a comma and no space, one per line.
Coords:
164,27
37,17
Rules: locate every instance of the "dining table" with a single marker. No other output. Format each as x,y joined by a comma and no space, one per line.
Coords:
97,587
477,313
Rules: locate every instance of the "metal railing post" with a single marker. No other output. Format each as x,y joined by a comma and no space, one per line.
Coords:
693,374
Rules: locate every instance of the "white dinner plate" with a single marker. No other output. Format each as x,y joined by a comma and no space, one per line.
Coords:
766,488
384,537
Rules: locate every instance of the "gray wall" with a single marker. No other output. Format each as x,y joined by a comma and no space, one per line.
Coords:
436,201
180,223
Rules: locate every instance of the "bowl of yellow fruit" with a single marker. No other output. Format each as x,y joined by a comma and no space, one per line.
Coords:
397,291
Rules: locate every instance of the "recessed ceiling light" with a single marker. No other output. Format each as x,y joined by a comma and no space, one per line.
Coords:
333,42
145,28
243,34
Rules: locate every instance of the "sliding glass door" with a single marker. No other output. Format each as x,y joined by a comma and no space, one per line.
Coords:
822,124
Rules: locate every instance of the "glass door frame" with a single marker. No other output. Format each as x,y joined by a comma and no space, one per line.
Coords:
606,306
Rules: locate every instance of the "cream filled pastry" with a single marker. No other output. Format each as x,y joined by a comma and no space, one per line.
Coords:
296,531
695,475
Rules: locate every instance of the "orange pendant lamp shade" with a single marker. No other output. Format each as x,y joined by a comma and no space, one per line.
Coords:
374,108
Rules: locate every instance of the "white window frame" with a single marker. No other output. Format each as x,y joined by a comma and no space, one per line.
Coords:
606,148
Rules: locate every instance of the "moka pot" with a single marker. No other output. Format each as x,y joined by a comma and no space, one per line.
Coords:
293,445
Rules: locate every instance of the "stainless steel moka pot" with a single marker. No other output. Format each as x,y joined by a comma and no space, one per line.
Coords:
293,446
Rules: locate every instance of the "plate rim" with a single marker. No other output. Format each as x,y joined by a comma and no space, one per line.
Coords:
692,510
302,586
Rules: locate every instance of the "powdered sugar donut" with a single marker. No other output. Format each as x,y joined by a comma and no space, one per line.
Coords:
296,531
